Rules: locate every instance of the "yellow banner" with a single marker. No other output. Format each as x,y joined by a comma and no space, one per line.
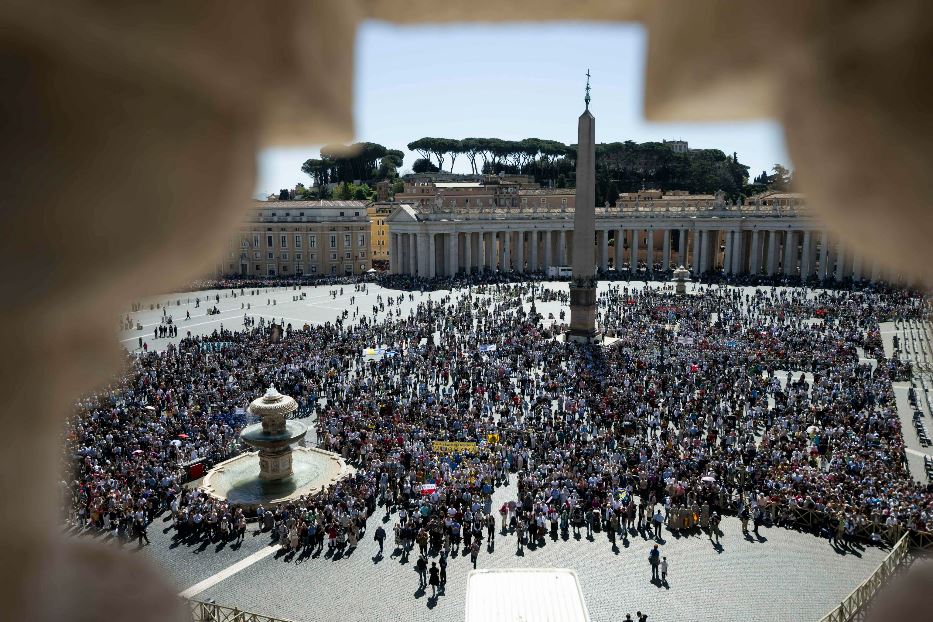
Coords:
492,438
452,446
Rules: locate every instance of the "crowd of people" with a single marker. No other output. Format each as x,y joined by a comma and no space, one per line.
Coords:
753,403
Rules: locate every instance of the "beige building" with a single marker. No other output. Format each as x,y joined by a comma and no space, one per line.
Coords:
294,238
379,230
487,193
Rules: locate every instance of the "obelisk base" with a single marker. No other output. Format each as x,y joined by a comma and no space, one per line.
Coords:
582,314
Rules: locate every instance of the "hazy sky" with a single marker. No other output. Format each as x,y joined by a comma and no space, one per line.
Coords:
510,81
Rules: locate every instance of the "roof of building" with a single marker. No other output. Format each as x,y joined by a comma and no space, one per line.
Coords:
458,184
547,191
309,204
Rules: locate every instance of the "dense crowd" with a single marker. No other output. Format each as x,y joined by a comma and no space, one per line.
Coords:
687,415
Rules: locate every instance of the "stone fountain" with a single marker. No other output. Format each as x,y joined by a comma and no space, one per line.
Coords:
274,435
280,470
680,280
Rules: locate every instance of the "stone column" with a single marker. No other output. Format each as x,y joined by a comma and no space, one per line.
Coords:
533,251
824,256
857,267
650,261
561,248
453,253
468,252
754,254
604,249
695,267
666,249
519,251
432,255
548,250
840,262
393,262
619,251
772,252
634,249
705,236
489,250
506,251
682,248
738,252
727,255
790,253
806,256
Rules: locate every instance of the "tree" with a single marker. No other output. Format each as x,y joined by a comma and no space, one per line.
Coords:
424,165
472,147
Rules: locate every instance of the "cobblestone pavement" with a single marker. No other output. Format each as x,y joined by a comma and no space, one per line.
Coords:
783,575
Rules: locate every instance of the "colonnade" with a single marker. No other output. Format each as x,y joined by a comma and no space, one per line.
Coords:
790,250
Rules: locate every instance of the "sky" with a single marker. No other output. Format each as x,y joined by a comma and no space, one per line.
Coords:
510,81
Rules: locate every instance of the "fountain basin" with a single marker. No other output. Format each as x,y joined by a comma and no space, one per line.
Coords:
255,436
235,480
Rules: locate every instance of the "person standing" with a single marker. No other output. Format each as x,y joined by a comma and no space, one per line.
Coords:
422,567
380,537
654,558
443,565
435,579
474,553
658,521
664,570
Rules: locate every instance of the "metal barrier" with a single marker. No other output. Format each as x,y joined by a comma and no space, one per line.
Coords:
212,612
855,604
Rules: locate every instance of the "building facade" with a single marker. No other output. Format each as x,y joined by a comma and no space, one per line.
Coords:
295,238
770,234
378,213
486,193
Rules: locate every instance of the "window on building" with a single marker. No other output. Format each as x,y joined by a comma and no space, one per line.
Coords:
256,255
346,255
269,240
313,269
257,268
362,267
283,241
297,241
543,200
362,240
270,255
244,243
333,256
341,213
524,200
297,256
563,201
333,241
284,257
346,240
362,254
312,241
255,241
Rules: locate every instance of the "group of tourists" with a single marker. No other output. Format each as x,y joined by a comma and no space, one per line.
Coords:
758,403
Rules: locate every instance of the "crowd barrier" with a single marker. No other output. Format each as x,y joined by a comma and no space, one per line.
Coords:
203,611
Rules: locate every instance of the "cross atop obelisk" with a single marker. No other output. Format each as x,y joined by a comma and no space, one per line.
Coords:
587,97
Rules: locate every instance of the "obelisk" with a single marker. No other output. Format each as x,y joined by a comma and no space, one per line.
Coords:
583,285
